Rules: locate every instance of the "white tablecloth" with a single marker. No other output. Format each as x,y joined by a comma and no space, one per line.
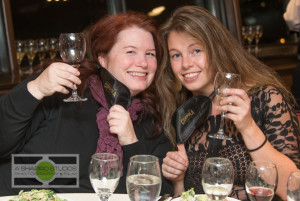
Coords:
83,197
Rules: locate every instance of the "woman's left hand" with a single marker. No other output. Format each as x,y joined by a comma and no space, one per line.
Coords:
238,107
120,123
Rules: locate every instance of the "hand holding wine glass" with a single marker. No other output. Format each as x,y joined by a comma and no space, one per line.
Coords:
217,178
261,180
105,172
143,180
223,82
72,48
293,186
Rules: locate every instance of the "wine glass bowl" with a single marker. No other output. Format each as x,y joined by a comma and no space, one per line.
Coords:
143,181
72,48
105,172
223,82
293,186
261,180
217,178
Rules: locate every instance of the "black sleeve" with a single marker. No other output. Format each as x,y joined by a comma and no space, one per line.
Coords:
158,147
16,110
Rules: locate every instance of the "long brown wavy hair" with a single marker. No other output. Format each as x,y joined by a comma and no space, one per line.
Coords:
224,54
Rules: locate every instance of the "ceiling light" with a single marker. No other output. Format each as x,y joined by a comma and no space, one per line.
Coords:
156,11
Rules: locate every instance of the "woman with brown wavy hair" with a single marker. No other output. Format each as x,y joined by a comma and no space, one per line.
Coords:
261,120
35,120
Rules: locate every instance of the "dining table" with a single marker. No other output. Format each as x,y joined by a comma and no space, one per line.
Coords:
82,197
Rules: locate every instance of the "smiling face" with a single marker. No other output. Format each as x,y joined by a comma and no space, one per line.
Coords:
188,62
132,59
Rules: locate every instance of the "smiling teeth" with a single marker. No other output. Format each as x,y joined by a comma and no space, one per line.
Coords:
138,74
190,75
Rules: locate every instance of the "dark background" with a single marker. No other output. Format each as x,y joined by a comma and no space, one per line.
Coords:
34,19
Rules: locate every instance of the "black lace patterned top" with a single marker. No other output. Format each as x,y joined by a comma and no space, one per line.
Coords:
274,116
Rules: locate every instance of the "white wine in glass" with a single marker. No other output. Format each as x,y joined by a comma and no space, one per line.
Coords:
72,48
217,178
223,82
105,172
143,181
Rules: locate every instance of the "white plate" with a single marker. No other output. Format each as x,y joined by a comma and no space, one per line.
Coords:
227,199
61,197
64,198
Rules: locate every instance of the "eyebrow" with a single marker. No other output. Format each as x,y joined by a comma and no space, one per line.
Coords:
134,47
191,45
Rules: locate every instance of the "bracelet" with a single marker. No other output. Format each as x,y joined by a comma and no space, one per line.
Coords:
252,150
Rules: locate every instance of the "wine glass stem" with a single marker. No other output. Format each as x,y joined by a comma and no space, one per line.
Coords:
74,92
221,128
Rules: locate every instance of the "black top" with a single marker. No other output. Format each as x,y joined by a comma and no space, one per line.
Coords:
51,126
275,117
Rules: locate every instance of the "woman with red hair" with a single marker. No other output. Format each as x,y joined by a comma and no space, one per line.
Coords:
35,120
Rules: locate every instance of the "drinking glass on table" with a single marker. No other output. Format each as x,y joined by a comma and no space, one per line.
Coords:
217,178
261,180
223,82
105,172
72,48
293,186
143,180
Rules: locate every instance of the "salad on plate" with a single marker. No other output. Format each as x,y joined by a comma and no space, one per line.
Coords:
37,195
190,195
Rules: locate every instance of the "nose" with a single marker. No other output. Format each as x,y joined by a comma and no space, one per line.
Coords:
141,61
187,61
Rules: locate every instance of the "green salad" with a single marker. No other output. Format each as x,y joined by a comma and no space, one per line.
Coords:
189,195
37,195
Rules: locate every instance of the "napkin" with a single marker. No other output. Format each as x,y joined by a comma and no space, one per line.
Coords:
115,91
190,116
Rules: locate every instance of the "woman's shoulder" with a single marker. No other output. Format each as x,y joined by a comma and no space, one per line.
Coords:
267,93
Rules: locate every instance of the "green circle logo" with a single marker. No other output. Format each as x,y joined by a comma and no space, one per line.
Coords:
45,170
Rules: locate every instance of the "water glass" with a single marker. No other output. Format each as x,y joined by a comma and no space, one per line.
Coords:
217,178
105,172
293,186
143,181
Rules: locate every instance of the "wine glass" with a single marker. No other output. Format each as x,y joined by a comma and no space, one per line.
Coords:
31,52
20,51
217,178
293,186
72,48
42,49
258,35
245,34
53,48
105,172
250,36
261,180
143,181
223,82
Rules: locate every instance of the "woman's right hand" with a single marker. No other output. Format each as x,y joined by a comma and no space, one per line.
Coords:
55,78
175,164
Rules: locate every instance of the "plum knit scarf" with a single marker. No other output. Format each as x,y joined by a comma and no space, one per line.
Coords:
107,142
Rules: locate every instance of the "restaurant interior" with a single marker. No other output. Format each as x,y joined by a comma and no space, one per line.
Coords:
41,21
29,30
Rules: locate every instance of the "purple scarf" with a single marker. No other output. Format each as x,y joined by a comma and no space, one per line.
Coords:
107,142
